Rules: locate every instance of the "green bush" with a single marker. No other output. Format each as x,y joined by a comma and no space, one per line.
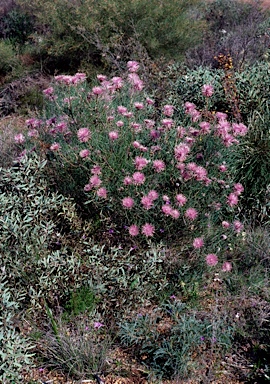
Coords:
16,26
8,58
108,33
167,338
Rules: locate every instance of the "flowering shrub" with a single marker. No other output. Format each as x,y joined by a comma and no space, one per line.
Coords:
137,164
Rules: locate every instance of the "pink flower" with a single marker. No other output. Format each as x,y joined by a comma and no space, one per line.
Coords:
137,83
238,226
98,325
87,187
97,91
84,153
181,199
128,202
168,110
227,266
195,115
207,90
148,229
147,202
153,194
181,151
222,168
101,78
83,135
158,165
33,133
189,107
205,127
175,214
200,173
119,123
113,135
138,105
117,82
232,199
211,259
149,123
133,66
150,101
225,224
239,129
154,134
128,180
19,139
138,178
221,115
140,162
238,188
95,181
136,144
96,170
121,110
191,213
167,210
48,92
102,192
198,242
168,123
136,126
128,114
61,127
133,230
55,147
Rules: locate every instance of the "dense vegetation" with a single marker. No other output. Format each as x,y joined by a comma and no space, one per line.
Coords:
134,190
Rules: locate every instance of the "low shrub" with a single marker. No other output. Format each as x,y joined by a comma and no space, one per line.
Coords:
80,350
167,338
15,349
37,264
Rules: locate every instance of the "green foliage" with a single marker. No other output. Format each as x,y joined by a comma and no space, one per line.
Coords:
8,58
31,218
251,164
14,348
82,300
167,337
109,32
250,161
16,26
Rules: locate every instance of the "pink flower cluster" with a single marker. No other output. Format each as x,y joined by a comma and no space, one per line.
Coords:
148,200
71,80
147,229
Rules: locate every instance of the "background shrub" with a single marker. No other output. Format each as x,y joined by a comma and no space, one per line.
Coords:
69,34
235,27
